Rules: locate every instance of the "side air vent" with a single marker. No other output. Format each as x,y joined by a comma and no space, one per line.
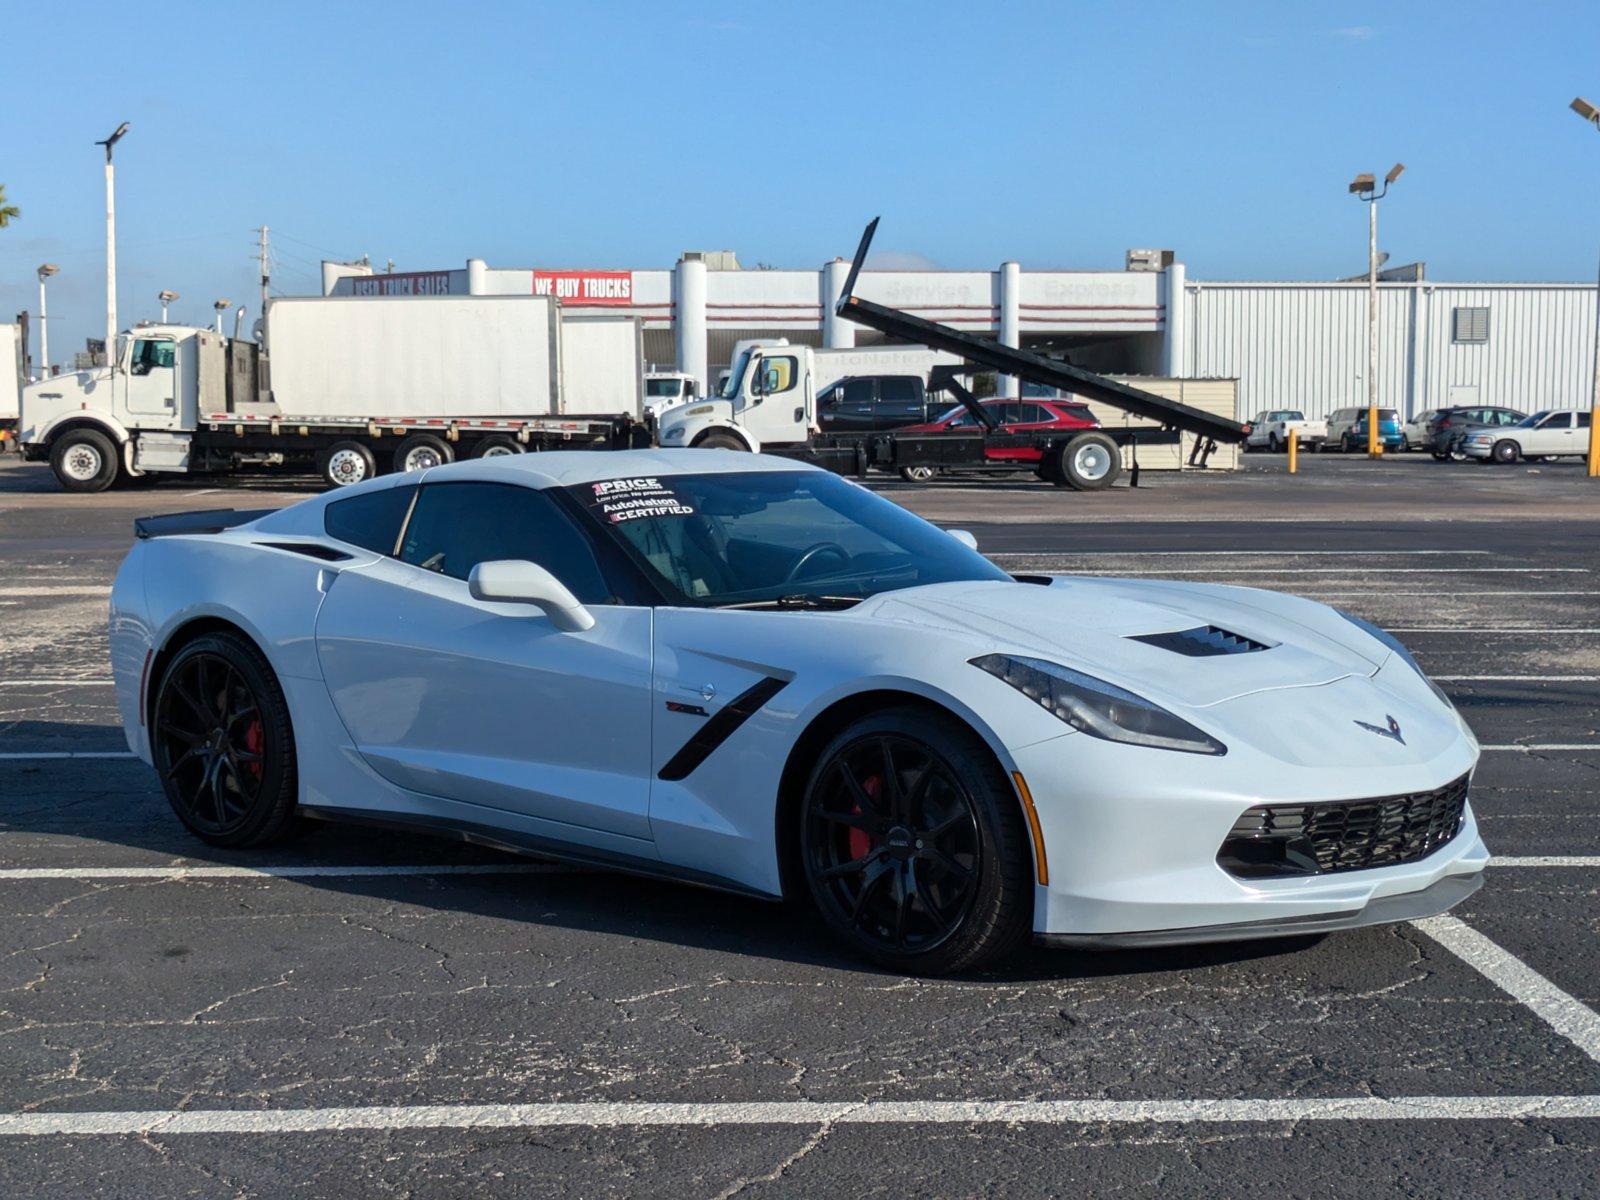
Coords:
1204,641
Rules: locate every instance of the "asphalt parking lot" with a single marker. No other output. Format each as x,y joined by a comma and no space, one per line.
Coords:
359,1015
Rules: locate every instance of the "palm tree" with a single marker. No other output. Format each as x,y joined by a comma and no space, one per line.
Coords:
8,212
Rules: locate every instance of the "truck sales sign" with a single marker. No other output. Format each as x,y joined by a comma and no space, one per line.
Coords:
585,287
410,283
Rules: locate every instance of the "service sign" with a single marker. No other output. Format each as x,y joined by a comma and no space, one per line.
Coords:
585,287
408,283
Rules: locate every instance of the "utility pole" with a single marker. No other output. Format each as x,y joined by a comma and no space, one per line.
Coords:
111,248
1364,187
1591,114
166,296
45,271
266,269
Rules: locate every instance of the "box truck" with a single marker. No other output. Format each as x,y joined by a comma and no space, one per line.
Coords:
351,386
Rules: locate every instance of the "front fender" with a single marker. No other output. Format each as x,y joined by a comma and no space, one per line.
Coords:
80,416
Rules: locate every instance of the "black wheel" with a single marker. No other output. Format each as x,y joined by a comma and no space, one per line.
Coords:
913,844
1346,444
1274,443
84,460
1088,463
420,451
1440,455
917,474
1506,451
345,463
719,441
497,445
222,743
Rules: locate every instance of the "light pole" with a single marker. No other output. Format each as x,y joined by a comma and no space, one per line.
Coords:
219,305
1364,188
1591,114
111,248
45,271
166,297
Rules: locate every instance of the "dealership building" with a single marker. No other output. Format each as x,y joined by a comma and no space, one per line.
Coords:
1290,345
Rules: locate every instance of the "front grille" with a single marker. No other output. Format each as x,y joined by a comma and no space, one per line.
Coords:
1202,642
1276,840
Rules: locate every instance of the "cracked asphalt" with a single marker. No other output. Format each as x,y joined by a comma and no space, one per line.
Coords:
263,993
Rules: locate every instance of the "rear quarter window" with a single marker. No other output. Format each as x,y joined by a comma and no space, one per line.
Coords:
371,520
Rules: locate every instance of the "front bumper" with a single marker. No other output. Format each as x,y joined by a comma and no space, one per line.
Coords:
1474,450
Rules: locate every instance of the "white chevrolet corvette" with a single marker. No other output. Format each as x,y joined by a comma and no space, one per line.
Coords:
746,673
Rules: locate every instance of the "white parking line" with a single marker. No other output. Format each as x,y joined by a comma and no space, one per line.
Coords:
1567,1015
1223,570
1477,629
604,1114
1229,553
88,680
1515,678
1545,860
27,756
1542,747
320,871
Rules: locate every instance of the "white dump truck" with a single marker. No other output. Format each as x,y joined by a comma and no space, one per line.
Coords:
352,386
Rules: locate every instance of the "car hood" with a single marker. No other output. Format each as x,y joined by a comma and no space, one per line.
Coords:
1092,624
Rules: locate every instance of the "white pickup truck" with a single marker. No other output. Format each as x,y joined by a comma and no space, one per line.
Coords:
1271,428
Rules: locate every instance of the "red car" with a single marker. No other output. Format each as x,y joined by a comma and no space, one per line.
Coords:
1012,416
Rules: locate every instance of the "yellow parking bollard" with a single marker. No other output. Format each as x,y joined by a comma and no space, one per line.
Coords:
1294,451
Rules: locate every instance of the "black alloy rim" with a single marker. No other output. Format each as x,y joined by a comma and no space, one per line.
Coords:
210,742
891,842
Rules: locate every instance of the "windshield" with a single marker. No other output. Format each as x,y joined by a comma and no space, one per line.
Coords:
656,388
1531,421
730,386
774,539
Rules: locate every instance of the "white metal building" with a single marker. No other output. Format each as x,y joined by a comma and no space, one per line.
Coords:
1290,345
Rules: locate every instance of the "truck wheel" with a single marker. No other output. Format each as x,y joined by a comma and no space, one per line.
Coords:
84,460
1274,443
345,463
1088,463
719,441
1506,451
497,446
917,474
421,451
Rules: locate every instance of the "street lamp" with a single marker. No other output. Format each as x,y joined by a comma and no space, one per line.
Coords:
1591,114
45,271
166,298
219,305
111,248
1363,187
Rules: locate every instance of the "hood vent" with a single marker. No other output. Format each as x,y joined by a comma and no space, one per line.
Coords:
1204,641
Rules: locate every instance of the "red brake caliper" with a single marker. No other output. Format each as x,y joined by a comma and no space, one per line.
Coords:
860,840
254,739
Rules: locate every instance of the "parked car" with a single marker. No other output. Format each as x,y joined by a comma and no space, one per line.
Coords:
1454,424
1272,427
1548,434
1017,416
1347,429
1419,430
863,403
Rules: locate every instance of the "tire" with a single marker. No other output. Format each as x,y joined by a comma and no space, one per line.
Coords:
1440,455
223,743
422,452
918,474
345,463
1274,443
1346,444
1090,462
1506,451
961,901
497,445
84,460
717,440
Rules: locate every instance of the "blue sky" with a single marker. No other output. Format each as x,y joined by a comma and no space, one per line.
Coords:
620,134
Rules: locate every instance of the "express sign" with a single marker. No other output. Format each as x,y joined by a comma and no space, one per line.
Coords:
585,287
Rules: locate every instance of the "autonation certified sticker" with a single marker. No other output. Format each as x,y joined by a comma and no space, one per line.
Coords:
642,496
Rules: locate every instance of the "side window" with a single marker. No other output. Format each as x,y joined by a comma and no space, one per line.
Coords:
1557,421
150,354
371,520
778,374
456,526
858,392
898,389
1583,420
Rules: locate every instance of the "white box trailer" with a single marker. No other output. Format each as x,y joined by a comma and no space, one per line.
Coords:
351,386
11,379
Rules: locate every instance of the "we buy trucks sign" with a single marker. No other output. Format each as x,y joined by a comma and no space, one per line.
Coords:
585,287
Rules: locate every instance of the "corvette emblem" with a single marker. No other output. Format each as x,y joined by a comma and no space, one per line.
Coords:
1391,730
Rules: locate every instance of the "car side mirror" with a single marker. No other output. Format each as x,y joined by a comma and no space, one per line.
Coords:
965,537
515,581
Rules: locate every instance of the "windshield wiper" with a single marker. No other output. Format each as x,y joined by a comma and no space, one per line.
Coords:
799,600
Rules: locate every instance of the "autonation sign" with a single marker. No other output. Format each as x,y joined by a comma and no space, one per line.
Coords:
585,287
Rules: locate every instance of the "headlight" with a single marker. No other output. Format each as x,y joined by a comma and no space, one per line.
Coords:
1098,708
1393,643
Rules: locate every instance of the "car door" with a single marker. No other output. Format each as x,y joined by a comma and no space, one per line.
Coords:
899,402
854,409
1553,435
488,704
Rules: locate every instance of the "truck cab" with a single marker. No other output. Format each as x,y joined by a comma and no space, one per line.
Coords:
122,419
663,389
768,400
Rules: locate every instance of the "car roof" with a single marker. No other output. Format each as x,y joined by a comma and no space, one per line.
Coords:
564,468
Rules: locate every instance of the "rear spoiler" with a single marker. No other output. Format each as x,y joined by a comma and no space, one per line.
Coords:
210,520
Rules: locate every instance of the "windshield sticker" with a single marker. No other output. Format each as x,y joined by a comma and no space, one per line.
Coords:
617,500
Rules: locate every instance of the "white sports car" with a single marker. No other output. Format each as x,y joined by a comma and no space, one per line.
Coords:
747,673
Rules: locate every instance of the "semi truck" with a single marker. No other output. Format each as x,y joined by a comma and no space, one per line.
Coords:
350,386
768,404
